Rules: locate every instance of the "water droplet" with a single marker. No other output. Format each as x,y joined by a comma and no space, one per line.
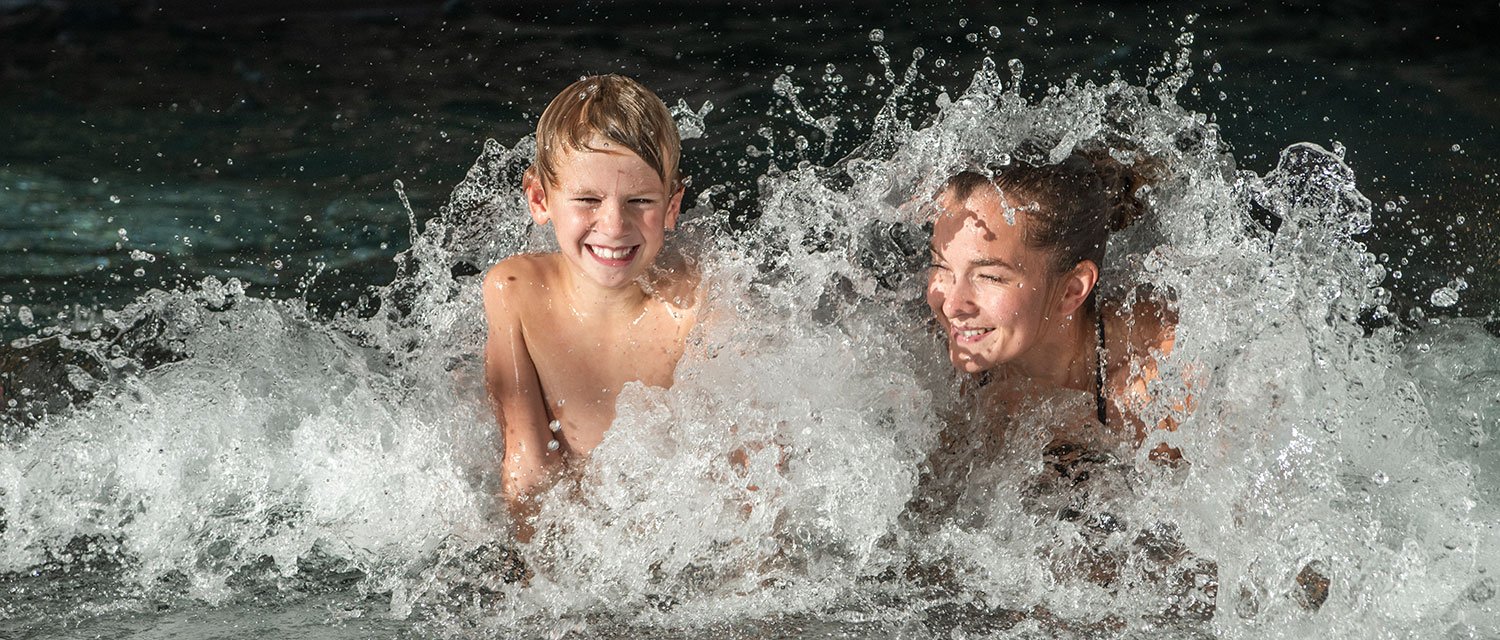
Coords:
1380,478
1444,297
555,426
553,445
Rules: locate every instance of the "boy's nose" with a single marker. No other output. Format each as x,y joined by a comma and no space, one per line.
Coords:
610,220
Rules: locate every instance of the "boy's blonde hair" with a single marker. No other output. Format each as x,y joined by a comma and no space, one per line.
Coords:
613,107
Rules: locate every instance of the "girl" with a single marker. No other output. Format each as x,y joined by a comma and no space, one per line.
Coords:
1016,259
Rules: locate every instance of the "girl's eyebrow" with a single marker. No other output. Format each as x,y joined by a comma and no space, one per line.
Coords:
993,262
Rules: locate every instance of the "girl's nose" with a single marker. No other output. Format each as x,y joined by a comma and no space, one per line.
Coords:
958,299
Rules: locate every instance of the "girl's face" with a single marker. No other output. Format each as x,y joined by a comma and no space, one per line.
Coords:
994,296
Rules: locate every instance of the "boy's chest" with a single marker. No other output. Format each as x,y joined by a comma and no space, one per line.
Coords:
582,365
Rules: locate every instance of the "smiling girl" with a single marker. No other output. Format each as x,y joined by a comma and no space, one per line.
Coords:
1015,266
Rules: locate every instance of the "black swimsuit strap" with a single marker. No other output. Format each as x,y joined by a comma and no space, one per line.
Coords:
1099,379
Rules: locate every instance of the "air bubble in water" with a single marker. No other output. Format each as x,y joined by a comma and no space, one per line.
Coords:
114,199
1031,20
1444,297
24,315
994,31
877,35
1457,149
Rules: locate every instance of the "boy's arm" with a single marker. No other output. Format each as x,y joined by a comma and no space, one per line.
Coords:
514,388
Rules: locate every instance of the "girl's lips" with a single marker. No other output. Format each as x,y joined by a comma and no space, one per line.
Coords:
612,256
970,335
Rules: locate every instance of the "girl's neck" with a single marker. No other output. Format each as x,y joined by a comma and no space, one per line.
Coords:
1065,357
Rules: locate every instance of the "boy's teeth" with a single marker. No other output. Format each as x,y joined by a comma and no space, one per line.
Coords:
611,254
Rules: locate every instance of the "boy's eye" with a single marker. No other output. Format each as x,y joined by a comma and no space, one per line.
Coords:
990,277
642,201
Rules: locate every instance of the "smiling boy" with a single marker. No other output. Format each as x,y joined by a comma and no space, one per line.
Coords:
568,330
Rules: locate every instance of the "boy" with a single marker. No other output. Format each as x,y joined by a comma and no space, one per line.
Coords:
567,330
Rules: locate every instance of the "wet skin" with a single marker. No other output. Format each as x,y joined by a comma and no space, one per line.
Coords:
1008,311
568,330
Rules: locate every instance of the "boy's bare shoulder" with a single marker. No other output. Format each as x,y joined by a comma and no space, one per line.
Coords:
519,275
676,279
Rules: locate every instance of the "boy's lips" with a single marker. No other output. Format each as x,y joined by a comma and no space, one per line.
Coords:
612,256
970,335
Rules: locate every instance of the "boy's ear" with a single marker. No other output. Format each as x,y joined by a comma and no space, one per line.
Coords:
1077,283
674,206
536,196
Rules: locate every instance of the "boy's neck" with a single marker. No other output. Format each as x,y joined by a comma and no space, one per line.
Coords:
589,299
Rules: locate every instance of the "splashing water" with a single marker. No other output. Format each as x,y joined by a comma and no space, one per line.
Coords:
813,467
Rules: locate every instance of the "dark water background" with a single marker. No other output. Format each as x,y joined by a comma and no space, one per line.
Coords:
261,139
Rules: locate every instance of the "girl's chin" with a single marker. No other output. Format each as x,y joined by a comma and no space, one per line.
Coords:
968,364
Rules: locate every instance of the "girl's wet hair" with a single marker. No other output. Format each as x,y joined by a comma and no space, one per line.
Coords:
1078,202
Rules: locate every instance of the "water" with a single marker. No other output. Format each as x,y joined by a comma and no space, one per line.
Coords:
235,462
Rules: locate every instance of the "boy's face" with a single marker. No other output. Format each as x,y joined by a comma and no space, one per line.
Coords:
609,210
991,292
